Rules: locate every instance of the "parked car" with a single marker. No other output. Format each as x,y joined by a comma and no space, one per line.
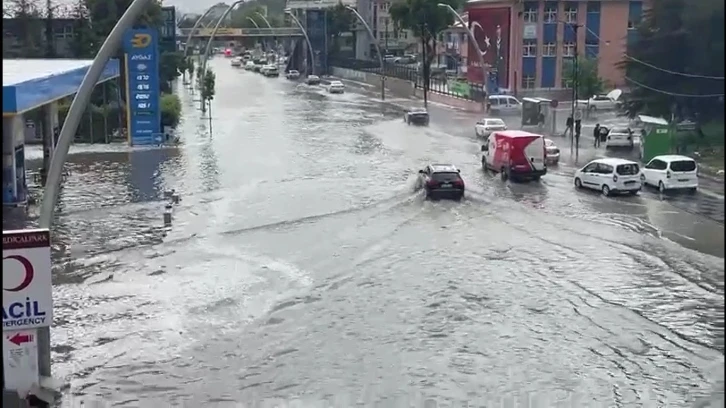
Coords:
602,102
552,152
515,155
312,80
486,126
236,62
442,181
417,116
671,172
611,176
271,71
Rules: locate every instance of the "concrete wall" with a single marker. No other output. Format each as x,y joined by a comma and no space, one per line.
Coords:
395,86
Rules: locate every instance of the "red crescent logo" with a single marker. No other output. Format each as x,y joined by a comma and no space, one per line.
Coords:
29,272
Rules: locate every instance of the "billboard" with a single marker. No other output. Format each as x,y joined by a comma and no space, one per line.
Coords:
141,48
491,29
317,27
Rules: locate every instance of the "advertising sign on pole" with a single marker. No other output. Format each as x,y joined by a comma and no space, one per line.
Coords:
27,285
168,29
20,361
141,48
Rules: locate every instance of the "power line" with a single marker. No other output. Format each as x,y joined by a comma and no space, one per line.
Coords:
673,93
667,71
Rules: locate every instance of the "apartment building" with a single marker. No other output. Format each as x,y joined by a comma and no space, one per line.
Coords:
391,41
527,44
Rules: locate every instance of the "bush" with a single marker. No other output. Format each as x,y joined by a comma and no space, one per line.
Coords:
170,110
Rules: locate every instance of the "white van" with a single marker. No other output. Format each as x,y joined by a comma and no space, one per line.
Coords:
504,105
671,172
610,176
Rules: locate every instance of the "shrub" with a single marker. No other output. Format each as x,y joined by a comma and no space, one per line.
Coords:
170,110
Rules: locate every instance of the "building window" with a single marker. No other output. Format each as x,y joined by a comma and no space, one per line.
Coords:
530,15
528,82
384,6
568,49
571,14
529,48
549,50
593,6
403,35
550,15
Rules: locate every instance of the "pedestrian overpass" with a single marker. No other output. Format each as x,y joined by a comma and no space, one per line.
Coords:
231,34
31,85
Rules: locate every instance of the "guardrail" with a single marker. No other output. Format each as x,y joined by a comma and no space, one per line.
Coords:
245,32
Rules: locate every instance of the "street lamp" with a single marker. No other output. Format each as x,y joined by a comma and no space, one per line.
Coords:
253,21
307,39
214,32
194,28
378,50
472,38
262,16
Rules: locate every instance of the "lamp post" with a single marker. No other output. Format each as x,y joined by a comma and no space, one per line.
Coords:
253,21
70,126
194,28
378,50
307,39
262,16
472,38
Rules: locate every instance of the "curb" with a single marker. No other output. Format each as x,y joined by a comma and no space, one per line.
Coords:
707,173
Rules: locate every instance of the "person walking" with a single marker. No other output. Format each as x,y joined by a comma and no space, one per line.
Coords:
596,134
568,125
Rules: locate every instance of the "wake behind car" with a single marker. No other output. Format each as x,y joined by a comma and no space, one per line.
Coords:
441,181
611,176
312,80
336,87
619,136
486,126
515,155
292,74
417,116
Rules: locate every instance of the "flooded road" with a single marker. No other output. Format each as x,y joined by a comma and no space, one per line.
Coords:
302,265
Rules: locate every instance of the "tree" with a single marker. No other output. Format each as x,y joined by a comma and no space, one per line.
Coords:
241,16
27,17
208,91
190,68
171,65
589,82
84,42
339,20
426,19
680,38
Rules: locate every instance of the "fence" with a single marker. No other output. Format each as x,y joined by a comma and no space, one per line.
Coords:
438,83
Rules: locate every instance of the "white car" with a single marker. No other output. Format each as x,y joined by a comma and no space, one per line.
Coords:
671,172
336,87
610,176
552,152
486,126
270,71
250,66
292,74
236,62
602,102
620,136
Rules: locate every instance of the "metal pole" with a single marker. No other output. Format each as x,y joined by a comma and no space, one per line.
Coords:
214,32
253,22
378,50
194,28
576,83
70,126
264,19
307,39
472,38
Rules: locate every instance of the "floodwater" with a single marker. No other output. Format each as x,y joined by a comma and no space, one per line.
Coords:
303,266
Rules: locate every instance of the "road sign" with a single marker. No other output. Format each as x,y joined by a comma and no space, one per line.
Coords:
27,284
20,361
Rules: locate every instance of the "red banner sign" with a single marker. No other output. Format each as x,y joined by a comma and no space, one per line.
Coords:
491,29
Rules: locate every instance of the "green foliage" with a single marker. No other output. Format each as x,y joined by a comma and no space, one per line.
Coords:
171,65
208,86
589,82
243,16
339,20
190,67
170,110
679,37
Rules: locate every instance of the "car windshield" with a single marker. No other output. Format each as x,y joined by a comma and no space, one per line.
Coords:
683,165
445,176
494,122
630,169
623,131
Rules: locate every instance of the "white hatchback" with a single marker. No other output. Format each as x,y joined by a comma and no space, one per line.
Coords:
610,176
619,136
486,126
671,172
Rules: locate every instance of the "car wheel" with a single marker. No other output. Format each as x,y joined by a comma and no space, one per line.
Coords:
692,190
536,178
661,187
503,174
605,190
593,109
578,182
634,192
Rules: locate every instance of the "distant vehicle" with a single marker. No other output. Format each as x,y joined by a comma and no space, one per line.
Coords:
292,74
416,116
406,59
312,80
611,176
619,136
441,181
504,105
271,71
602,102
228,53
486,126
236,62
250,66
336,87
552,152
389,58
671,172
515,155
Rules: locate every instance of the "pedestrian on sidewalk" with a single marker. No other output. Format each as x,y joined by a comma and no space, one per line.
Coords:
568,125
596,134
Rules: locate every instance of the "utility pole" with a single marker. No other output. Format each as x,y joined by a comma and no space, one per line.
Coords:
424,65
575,84
385,37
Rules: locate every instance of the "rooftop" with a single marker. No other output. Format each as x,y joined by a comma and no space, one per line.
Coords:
17,71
